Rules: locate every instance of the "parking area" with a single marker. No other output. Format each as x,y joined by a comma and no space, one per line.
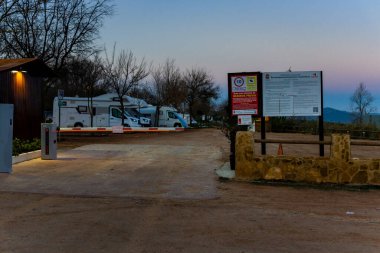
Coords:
158,192
123,167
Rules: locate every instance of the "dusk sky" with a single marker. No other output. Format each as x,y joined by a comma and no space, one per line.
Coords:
339,37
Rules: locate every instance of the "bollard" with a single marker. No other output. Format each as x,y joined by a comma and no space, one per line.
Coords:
48,141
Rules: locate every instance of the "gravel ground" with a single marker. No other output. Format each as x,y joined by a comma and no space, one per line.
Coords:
166,198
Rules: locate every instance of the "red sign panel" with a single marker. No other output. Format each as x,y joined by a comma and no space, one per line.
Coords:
244,97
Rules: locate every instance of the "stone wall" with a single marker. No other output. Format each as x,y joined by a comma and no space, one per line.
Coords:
339,168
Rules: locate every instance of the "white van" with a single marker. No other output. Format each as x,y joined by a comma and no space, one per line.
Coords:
168,116
75,112
134,112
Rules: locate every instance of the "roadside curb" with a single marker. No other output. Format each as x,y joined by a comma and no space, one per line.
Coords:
26,156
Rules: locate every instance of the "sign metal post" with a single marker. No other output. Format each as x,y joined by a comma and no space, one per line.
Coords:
61,94
243,100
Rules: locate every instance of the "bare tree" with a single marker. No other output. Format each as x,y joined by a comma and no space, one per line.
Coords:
143,91
123,74
53,30
167,87
200,89
6,9
157,90
83,78
175,90
361,103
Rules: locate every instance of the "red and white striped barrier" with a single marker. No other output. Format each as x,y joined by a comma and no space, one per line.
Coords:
118,129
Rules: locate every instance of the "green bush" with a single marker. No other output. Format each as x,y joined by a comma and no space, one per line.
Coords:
23,146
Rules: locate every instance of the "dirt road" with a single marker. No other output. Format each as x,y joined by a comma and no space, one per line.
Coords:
166,198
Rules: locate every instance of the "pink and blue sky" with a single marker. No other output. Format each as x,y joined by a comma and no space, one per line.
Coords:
339,37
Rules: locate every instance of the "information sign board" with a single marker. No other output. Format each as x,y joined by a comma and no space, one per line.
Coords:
244,97
117,129
244,120
292,93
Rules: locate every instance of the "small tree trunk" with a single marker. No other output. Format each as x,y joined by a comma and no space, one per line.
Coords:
90,111
191,113
157,116
122,111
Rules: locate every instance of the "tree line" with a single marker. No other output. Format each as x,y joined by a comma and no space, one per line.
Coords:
63,33
191,91
361,104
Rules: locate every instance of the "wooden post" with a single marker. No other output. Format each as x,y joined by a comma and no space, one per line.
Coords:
321,128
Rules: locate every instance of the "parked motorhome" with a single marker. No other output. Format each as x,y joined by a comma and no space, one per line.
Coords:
75,112
132,106
134,112
168,116
186,117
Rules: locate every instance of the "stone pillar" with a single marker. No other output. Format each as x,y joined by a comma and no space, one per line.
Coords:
244,154
340,147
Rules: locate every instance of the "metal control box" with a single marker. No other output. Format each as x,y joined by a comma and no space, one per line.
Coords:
6,137
48,141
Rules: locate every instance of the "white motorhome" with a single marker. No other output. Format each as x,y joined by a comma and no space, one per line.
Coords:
168,116
131,106
186,117
75,112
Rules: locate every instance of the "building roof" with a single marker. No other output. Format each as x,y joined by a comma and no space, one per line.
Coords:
34,66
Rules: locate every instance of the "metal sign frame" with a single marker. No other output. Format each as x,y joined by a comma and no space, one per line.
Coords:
259,113
287,94
254,104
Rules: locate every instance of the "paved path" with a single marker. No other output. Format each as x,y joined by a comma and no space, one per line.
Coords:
134,170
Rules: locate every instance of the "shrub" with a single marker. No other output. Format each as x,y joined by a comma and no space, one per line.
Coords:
23,146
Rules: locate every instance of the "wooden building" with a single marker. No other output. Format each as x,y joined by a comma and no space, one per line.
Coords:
21,85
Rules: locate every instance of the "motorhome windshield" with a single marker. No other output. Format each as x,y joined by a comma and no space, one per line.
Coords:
134,112
179,117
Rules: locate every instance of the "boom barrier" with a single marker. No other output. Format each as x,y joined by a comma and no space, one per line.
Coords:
118,130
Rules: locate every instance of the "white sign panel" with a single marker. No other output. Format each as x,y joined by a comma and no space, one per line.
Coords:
117,129
244,120
292,93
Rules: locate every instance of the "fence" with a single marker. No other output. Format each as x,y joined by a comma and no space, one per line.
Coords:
359,143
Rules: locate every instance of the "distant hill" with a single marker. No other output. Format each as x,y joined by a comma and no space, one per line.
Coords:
336,116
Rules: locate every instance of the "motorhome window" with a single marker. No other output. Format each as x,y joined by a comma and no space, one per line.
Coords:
171,115
133,112
82,109
116,113
138,112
